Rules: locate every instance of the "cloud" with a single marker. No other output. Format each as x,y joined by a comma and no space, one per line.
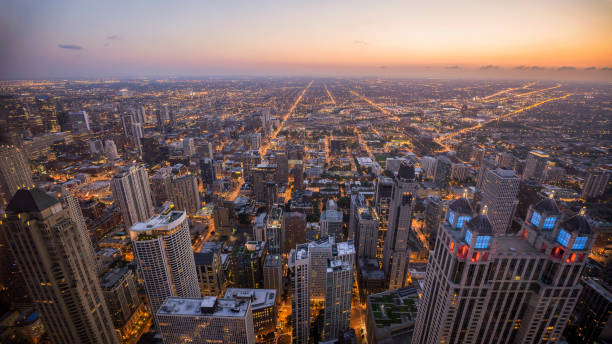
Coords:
489,67
529,68
452,67
607,69
590,68
383,67
566,68
360,42
113,37
70,46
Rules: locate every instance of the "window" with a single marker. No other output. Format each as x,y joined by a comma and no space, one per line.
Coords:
535,218
563,238
451,217
461,220
468,237
482,241
549,223
580,243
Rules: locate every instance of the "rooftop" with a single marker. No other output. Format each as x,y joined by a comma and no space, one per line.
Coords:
208,306
393,307
30,200
161,222
260,298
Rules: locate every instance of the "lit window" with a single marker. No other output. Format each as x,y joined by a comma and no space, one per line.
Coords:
451,217
468,237
535,218
580,243
482,241
563,238
549,223
461,220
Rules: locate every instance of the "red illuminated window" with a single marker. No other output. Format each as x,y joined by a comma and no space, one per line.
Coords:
475,256
463,251
452,246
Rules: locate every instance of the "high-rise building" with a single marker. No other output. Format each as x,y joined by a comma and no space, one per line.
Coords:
263,306
396,252
433,212
487,164
428,164
14,172
262,175
207,169
223,216
78,121
162,249
259,227
132,192
96,147
110,150
246,265
442,173
595,183
282,167
366,232
382,198
273,274
49,248
121,294
274,230
535,165
206,320
209,267
591,320
127,120
499,191
293,231
483,287
185,194
161,186
331,221
308,265
189,146
338,295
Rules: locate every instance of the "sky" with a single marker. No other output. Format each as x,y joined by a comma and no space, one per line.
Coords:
563,39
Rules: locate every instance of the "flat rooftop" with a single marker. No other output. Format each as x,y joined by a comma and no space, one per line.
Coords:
393,307
260,298
208,306
160,222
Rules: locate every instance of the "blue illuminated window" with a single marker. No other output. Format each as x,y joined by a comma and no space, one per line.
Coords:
549,223
468,237
563,238
482,241
451,217
535,219
580,243
461,220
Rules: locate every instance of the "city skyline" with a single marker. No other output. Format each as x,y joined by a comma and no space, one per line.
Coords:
400,39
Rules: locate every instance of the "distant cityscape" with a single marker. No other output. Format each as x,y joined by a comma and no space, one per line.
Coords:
305,210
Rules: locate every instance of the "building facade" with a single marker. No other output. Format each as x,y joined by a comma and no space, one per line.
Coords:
132,192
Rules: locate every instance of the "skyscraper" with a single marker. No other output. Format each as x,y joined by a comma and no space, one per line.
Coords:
132,192
382,198
366,233
162,249
206,320
274,230
483,287
273,274
207,169
331,221
535,165
595,183
396,253
499,191
14,172
185,194
209,266
442,173
293,231
338,293
49,249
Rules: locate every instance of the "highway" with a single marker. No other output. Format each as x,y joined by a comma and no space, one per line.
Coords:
329,94
380,108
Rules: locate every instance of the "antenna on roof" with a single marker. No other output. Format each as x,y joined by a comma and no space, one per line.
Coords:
582,211
485,209
465,193
552,194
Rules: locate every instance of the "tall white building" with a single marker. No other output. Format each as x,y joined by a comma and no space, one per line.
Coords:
185,194
396,252
189,146
499,194
206,320
338,293
162,249
483,287
132,192
331,221
110,150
